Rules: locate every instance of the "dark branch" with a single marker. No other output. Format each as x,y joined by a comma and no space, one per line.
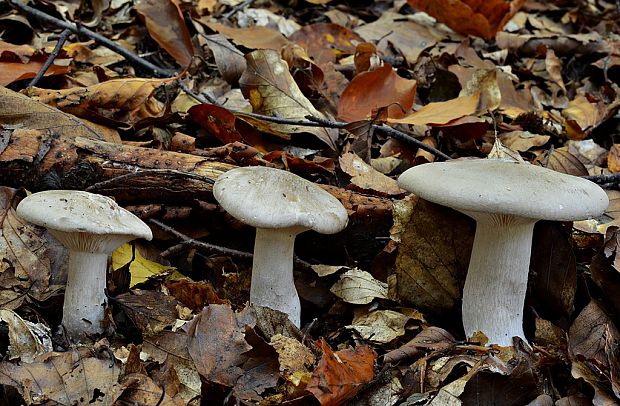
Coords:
61,41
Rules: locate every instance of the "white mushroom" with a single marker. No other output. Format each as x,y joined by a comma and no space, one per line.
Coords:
280,205
91,227
505,198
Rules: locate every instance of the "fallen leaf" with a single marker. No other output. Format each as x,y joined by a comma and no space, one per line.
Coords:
229,60
441,112
149,310
359,287
523,140
26,340
369,91
254,37
613,158
271,90
409,38
341,375
294,358
26,253
366,177
122,100
141,268
217,343
581,117
433,258
71,377
561,160
164,21
19,62
475,17
326,42
380,326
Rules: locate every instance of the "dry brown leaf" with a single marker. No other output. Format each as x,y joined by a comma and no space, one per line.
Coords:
442,112
380,326
339,376
366,177
255,37
613,158
18,62
72,377
483,82
581,117
229,60
27,255
561,160
476,17
369,91
217,345
553,66
294,359
408,37
433,258
139,389
359,287
326,42
165,23
523,140
122,100
271,90
150,311
26,340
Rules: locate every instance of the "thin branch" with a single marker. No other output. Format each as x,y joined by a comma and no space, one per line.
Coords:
77,29
211,248
604,178
237,8
61,41
320,122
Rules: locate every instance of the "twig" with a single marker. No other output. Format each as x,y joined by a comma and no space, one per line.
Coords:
320,122
238,7
604,178
77,29
211,248
62,38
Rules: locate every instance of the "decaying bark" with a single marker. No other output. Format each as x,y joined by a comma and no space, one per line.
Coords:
40,159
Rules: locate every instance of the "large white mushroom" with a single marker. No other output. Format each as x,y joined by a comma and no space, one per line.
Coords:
91,227
280,205
506,199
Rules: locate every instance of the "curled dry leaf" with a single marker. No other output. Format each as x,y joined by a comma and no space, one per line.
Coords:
366,177
341,375
369,91
151,311
126,101
523,140
166,25
229,60
294,359
26,340
482,18
359,287
380,326
581,117
271,90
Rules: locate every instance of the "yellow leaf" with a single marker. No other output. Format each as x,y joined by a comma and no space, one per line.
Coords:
141,268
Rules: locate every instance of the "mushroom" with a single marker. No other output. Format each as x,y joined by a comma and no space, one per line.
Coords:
506,199
280,205
91,227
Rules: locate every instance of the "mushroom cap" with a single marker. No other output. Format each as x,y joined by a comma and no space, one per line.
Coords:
505,187
74,212
272,198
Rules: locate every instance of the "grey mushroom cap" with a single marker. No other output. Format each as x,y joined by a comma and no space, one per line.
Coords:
272,198
73,211
505,187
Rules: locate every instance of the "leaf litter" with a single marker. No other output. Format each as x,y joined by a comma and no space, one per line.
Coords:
344,96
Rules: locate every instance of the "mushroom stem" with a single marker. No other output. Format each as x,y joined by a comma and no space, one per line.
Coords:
272,272
496,283
85,300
